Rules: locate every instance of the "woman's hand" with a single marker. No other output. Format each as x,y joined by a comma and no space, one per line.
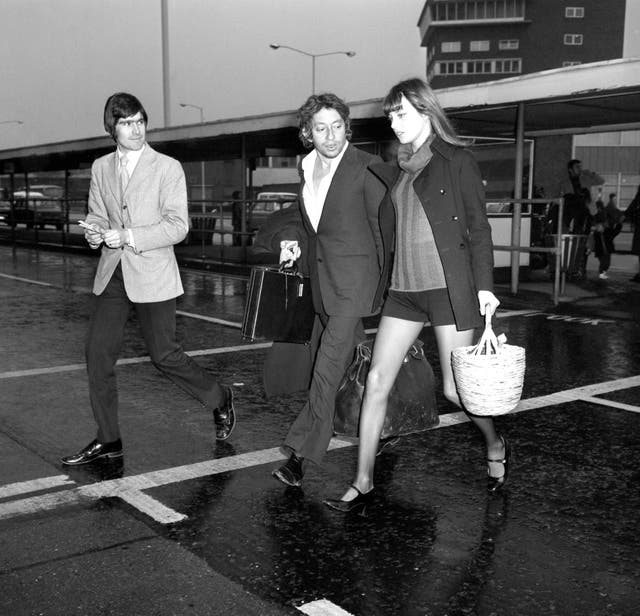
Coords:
488,302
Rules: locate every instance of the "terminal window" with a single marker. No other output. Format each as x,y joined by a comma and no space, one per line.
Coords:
574,12
573,39
479,46
509,44
450,47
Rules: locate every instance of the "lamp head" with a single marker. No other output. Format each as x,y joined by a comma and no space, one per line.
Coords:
274,46
351,53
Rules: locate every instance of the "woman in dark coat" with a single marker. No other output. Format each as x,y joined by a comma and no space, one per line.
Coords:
632,214
442,269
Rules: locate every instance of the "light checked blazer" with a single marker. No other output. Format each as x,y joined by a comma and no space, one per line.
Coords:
154,206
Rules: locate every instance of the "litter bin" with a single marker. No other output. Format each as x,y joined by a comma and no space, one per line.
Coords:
573,249
203,226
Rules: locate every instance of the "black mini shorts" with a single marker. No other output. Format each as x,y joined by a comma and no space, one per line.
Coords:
421,306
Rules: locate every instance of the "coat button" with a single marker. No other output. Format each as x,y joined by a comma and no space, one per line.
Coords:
454,218
443,191
462,246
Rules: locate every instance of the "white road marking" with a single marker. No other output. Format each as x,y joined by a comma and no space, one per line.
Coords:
27,280
153,508
202,352
131,486
127,487
616,405
202,317
322,607
35,485
132,360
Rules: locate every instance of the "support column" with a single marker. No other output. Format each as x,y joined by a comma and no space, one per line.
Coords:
516,222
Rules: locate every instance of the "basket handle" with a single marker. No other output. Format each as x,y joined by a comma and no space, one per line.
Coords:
488,343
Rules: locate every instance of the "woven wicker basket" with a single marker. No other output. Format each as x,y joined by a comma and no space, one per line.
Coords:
489,376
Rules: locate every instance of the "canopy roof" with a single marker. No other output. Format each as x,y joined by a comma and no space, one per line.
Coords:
598,97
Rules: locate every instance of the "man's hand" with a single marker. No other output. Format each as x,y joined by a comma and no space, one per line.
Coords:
289,252
115,238
92,233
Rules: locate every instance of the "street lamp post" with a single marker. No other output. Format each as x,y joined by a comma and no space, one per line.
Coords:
313,57
201,110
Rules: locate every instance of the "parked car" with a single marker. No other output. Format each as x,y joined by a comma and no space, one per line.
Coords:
266,203
5,205
40,205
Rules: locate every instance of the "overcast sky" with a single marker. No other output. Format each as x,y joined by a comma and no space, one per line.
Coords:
61,59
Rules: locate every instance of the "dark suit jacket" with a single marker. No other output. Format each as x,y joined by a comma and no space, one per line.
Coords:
345,253
451,192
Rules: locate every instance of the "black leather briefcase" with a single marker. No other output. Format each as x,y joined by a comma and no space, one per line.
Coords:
278,306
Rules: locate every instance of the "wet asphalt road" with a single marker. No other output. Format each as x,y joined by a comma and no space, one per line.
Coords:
187,526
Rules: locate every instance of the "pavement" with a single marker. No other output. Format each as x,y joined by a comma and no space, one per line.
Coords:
185,525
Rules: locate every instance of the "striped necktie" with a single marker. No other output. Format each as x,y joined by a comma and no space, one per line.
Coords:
123,172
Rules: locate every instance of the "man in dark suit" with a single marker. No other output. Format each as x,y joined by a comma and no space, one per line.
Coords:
339,200
137,212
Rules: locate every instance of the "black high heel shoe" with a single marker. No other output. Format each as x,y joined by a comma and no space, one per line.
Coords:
495,483
357,505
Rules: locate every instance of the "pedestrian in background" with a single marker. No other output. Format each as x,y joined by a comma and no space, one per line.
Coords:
632,214
236,217
442,269
613,224
601,246
339,209
137,213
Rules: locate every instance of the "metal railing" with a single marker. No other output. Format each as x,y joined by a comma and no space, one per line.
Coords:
558,250
219,229
218,234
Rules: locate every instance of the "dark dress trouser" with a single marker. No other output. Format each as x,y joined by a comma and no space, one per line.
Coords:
312,430
104,343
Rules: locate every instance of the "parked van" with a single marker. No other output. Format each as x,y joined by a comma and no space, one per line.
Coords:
266,203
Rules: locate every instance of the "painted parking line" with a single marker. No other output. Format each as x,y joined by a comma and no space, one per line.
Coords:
127,487
200,353
35,485
322,607
27,280
130,488
202,317
612,403
132,360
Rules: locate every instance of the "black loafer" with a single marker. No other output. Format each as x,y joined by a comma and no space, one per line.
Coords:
93,451
225,417
495,483
358,505
290,473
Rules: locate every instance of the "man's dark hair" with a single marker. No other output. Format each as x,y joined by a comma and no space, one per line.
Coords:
315,103
612,195
572,162
121,105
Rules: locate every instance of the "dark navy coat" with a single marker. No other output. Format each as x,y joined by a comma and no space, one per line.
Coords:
451,192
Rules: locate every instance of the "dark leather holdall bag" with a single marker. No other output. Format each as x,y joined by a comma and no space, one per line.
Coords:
412,401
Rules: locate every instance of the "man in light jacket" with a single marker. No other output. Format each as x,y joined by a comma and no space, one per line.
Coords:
137,213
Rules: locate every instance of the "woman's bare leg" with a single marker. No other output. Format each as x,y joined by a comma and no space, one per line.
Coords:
393,340
448,338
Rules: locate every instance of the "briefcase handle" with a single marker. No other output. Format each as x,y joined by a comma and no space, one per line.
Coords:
293,269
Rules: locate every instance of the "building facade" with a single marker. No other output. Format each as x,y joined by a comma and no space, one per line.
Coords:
470,41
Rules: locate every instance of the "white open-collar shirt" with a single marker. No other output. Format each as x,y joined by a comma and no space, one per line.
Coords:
314,201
